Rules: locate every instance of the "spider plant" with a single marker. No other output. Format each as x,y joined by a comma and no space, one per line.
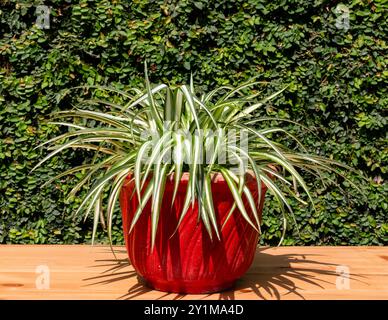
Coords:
135,138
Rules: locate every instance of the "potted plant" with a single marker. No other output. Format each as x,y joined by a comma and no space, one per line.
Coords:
190,173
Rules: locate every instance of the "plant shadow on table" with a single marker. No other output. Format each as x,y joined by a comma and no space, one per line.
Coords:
270,277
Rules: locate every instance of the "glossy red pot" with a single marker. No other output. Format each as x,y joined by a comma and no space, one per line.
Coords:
189,261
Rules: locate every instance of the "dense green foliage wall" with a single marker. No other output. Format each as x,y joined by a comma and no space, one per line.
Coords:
336,68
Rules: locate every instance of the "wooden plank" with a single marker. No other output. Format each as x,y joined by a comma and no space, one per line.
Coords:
86,272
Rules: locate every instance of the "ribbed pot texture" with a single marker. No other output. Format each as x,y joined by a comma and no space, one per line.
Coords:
189,261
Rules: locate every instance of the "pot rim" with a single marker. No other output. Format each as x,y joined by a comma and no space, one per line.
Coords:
216,178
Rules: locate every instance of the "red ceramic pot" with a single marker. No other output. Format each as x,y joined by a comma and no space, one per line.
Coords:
189,261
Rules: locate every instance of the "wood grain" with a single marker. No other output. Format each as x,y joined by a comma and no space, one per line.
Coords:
86,272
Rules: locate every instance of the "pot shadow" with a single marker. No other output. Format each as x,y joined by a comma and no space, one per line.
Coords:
277,276
269,277
117,269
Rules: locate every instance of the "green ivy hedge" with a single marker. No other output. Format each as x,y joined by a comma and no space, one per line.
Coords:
336,68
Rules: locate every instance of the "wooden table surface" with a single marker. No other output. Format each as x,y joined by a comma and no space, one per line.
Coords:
86,272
